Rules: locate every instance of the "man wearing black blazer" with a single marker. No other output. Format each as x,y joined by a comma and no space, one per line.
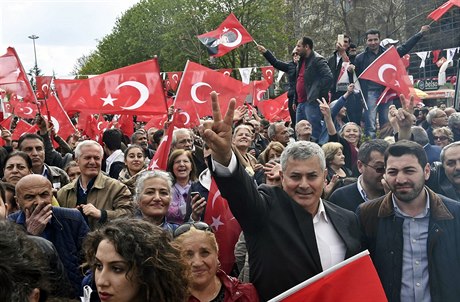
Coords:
291,234
369,185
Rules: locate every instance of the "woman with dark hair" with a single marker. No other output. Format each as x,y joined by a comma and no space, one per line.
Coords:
134,165
183,170
133,260
17,165
207,282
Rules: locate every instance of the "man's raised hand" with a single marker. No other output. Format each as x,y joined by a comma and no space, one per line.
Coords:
218,133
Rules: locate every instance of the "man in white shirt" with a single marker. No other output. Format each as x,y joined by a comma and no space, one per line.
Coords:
291,233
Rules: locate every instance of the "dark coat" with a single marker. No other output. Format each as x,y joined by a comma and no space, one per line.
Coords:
384,238
66,231
317,77
439,182
280,234
347,197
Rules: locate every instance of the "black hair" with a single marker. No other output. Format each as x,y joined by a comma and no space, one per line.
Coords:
112,139
307,41
404,147
364,153
29,136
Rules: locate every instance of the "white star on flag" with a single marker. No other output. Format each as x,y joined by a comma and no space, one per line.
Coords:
108,100
216,223
225,29
154,165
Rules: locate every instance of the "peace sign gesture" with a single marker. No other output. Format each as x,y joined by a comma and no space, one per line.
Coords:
218,133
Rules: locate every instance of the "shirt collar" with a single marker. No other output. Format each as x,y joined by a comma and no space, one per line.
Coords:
421,215
45,171
321,213
361,189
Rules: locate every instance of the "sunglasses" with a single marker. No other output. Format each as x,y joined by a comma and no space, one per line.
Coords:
441,138
379,170
199,225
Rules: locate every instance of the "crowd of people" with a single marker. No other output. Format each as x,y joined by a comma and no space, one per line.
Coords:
89,220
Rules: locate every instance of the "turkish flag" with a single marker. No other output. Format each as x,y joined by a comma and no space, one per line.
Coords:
435,55
126,124
440,11
187,113
13,78
226,71
21,128
406,60
174,79
225,227
388,70
43,84
135,89
87,124
258,89
229,35
387,95
66,89
61,121
276,109
6,123
157,121
268,73
354,279
23,109
198,82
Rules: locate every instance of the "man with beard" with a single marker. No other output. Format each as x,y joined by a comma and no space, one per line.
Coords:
140,138
445,177
412,232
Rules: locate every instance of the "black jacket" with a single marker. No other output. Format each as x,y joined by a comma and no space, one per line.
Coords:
288,67
347,197
439,183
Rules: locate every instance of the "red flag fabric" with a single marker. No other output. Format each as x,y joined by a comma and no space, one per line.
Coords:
67,88
440,11
61,121
160,158
6,123
23,109
388,70
43,84
277,109
268,73
225,227
135,89
174,79
435,55
87,124
258,89
157,121
21,128
226,71
126,124
354,279
13,78
406,60
387,95
198,82
229,35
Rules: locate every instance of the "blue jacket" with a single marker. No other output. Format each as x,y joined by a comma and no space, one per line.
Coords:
66,231
383,237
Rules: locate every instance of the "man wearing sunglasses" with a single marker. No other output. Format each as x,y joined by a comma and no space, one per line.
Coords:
291,233
369,185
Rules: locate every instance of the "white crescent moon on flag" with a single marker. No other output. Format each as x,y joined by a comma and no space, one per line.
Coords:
187,116
175,77
235,43
143,90
214,198
99,126
45,87
259,94
285,104
269,71
227,73
382,70
55,123
29,111
193,91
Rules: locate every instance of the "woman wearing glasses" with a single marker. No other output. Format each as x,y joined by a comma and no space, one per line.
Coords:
133,260
207,282
443,136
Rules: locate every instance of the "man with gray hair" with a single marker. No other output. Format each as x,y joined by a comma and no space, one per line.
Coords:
98,197
436,118
445,177
278,132
454,125
290,232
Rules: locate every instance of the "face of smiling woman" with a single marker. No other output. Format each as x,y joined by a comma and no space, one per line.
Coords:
113,281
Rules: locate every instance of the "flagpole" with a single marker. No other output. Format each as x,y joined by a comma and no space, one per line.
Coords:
360,90
255,42
319,276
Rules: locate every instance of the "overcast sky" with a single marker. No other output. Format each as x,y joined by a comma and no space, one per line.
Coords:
67,29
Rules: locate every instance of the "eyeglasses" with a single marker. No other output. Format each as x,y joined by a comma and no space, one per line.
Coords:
440,138
379,170
199,225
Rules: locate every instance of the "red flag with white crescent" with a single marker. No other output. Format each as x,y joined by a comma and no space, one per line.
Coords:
268,73
258,90
157,121
13,78
226,71
226,228
61,121
174,79
132,90
43,84
229,35
198,82
277,109
23,127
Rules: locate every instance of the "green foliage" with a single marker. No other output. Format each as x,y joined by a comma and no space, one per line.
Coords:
168,29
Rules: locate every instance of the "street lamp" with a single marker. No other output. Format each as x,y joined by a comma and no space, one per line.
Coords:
34,37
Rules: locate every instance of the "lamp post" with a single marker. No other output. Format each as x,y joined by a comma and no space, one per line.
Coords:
34,37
